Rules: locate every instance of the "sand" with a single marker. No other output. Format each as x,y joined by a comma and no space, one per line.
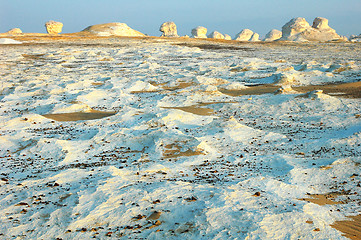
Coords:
79,116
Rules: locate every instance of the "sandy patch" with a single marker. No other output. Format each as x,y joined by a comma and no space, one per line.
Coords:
351,228
349,90
323,199
78,116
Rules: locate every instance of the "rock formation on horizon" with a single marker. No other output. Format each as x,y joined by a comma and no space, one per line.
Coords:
14,31
227,37
216,35
244,35
298,29
199,32
355,38
254,38
53,27
273,35
113,29
168,29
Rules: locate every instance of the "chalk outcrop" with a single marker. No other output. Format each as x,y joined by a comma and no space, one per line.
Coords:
112,29
298,29
14,31
199,32
244,35
227,37
354,38
216,35
53,27
254,38
169,29
273,35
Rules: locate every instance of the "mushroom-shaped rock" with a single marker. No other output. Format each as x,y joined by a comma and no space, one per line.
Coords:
112,29
244,35
299,30
53,27
227,37
254,38
199,32
14,31
273,35
169,29
216,35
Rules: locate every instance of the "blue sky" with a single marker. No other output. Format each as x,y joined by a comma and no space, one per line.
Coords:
225,16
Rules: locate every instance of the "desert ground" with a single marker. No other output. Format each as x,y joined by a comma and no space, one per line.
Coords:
179,138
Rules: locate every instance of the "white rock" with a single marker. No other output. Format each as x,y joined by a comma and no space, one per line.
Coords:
273,35
254,38
113,29
216,35
244,35
298,29
320,23
354,38
169,29
227,37
199,32
53,27
14,31
294,27
9,41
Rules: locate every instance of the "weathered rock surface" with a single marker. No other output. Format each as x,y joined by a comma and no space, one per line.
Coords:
298,29
354,38
113,29
254,38
273,35
199,32
227,37
169,29
14,31
216,35
244,35
53,27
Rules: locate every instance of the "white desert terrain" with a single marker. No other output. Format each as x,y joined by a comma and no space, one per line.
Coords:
179,138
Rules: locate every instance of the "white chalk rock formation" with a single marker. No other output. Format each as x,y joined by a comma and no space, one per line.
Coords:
354,38
53,27
254,38
227,37
113,29
273,35
244,35
169,29
298,29
199,32
14,31
216,35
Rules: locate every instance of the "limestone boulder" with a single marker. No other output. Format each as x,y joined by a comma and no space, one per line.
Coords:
168,29
113,29
244,35
14,31
298,29
216,35
53,27
199,32
273,35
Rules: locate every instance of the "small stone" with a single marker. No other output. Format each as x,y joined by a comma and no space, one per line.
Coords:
199,32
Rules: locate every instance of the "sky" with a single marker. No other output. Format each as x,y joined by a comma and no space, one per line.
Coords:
146,16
